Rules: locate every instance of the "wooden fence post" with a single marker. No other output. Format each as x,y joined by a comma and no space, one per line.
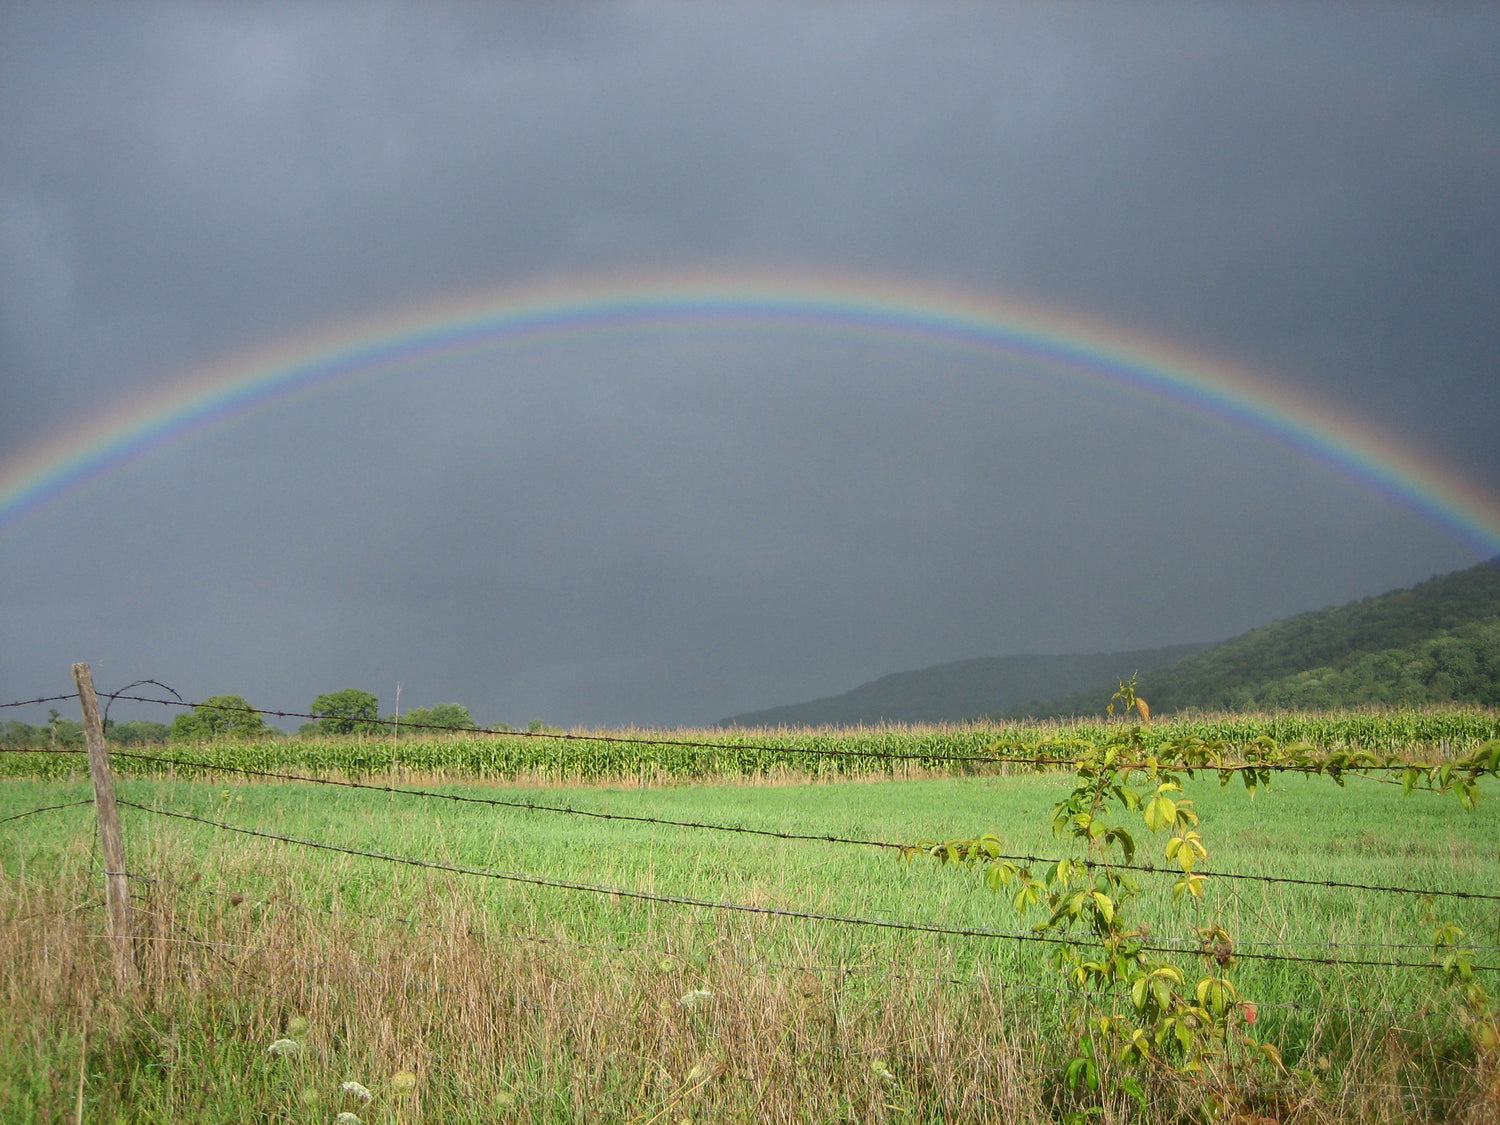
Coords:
111,838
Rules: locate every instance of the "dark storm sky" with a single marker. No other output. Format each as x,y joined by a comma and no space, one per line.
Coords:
670,527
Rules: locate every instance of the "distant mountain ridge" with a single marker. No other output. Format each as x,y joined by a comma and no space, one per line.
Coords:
966,689
1435,642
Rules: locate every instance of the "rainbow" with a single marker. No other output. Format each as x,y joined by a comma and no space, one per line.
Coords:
867,309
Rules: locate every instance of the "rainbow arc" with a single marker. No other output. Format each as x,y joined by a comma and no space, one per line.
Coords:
873,310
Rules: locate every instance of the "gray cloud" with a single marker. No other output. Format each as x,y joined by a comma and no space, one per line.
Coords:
672,527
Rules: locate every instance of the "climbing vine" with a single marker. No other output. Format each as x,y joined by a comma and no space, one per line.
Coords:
1137,1016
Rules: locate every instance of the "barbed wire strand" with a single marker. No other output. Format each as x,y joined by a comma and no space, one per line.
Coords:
113,695
87,904
764,962
573,736
1337,771
45,808
747,908
42,699
533,806
528,806
1183,944
531,938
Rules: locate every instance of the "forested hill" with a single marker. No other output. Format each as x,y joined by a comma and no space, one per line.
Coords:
967,689
1437,642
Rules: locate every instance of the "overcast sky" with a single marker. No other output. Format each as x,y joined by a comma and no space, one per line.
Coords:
671,527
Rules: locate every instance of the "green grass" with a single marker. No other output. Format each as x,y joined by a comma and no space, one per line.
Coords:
515,1002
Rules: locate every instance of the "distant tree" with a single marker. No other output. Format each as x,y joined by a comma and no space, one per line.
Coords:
61,731
350,711
138,732
17,733
219,716
454,716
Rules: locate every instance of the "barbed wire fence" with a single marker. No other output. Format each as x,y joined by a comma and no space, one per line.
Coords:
1044,761
188,765
1250,950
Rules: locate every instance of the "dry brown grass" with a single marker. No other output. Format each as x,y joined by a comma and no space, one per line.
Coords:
495,1025
547,1024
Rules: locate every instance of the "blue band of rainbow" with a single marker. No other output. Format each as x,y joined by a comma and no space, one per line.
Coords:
865,309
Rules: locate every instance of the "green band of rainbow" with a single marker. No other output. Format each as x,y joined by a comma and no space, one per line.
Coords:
869,310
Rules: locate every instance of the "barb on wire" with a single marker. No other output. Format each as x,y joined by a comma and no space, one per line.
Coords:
40,699
113,695
746,908
46,808
827,838
89,904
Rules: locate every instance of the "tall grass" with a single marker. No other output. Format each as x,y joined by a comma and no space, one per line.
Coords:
512,1003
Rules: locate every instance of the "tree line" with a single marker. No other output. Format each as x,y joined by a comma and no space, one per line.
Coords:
347,712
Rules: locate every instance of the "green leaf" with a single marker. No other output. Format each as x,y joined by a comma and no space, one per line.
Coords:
1163,993
1215,994
1185,1036
1081,1072
1191,883
1126,841
1105,906
1159,813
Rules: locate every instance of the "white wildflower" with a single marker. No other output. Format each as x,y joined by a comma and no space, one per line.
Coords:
360,1092
284,1047
882,1072
710,1066
403,1080
694,998
346,1119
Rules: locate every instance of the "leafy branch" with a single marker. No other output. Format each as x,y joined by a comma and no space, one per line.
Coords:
1136,1016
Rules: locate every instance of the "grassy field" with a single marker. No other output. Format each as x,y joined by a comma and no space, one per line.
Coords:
456,998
